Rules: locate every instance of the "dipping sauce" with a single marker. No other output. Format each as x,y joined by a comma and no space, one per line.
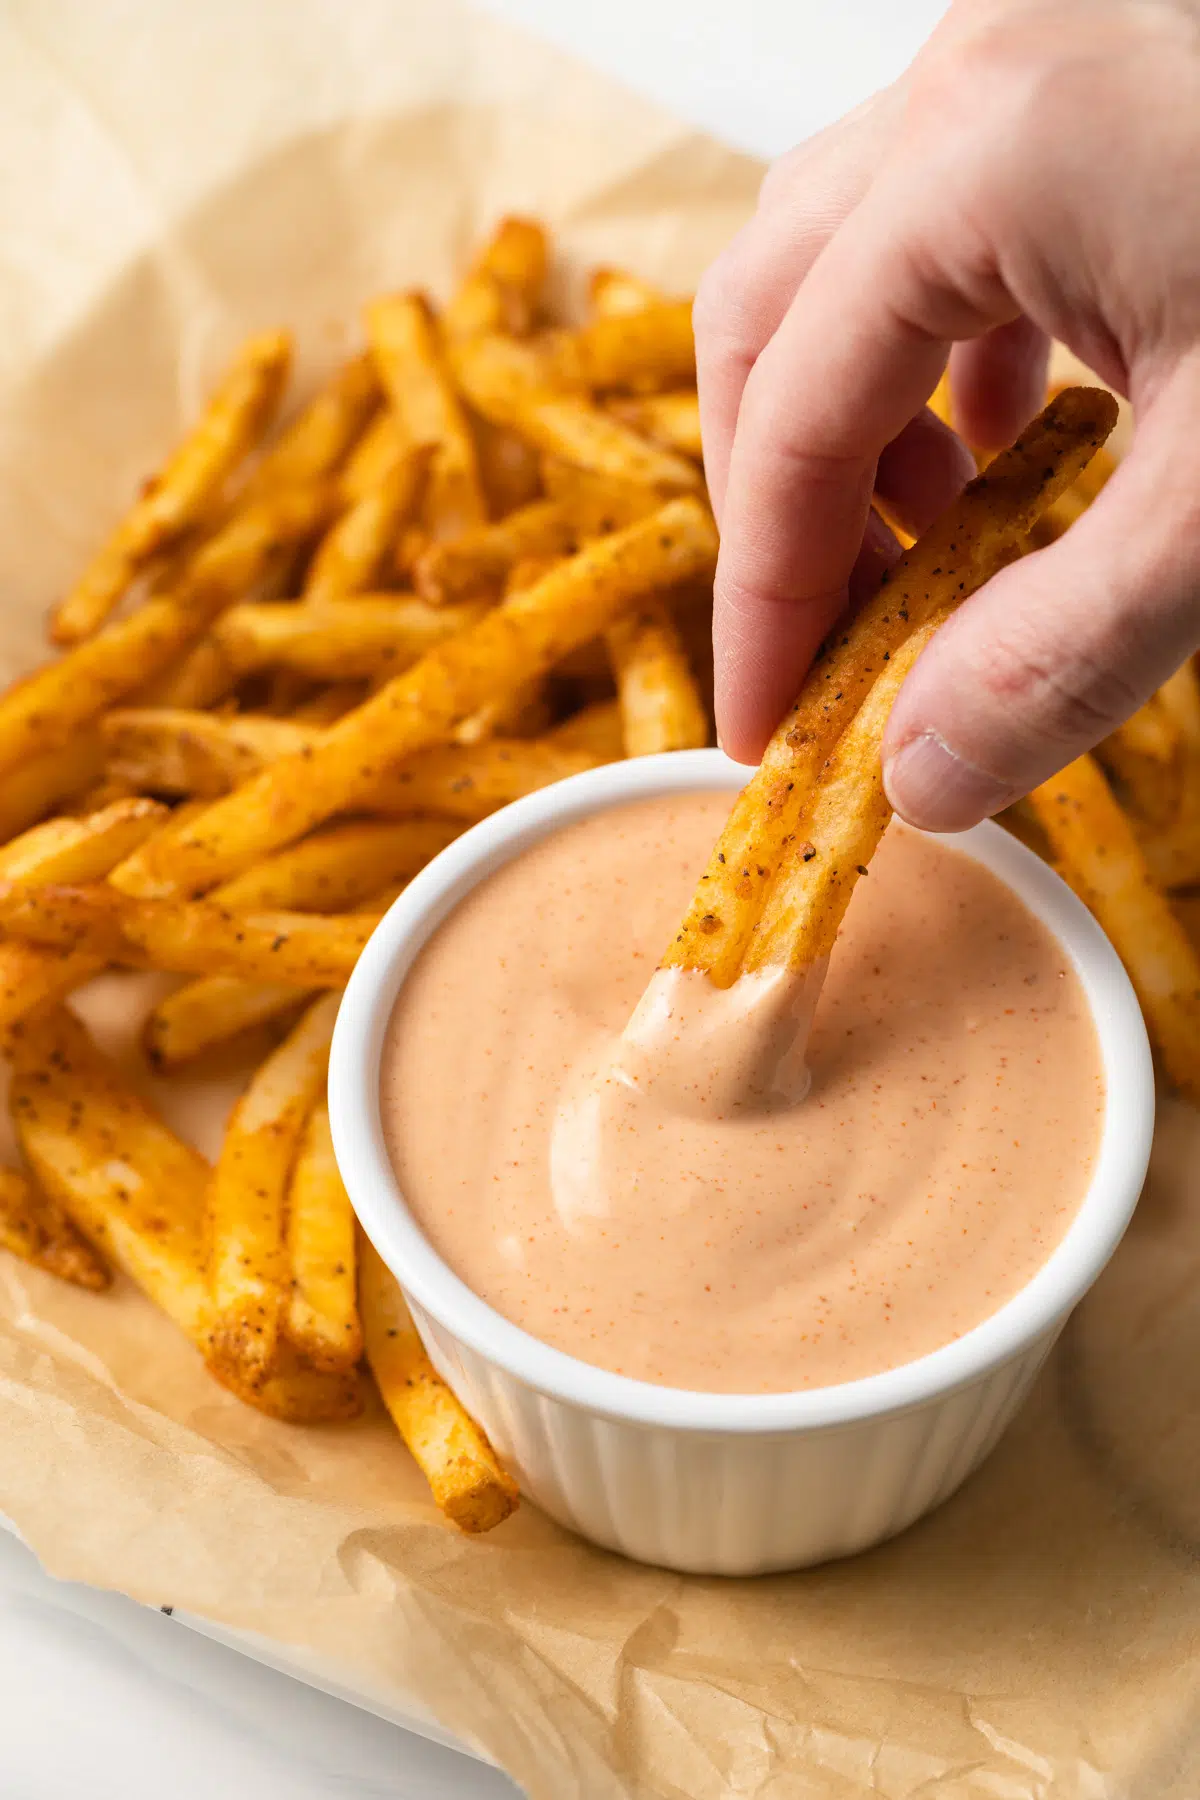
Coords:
671,1231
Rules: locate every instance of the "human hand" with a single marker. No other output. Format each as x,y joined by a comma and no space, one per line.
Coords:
1033,174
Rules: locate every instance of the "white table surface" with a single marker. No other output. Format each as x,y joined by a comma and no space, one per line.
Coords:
102,1698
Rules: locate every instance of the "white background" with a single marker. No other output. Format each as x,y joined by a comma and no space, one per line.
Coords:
98,1698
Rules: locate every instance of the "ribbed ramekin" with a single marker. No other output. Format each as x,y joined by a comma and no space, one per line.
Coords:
729,1484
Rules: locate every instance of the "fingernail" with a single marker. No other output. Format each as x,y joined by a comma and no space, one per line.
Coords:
935,789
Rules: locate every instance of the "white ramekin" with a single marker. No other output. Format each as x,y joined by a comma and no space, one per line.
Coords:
729,1484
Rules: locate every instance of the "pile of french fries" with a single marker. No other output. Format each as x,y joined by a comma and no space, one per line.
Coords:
479,559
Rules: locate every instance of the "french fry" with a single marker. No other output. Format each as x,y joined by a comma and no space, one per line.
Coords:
85,849
514,642
1145,756
661,708
47,707
169,751
672,419
49,780
509,468
525,712
197,939
354,551
330,704
212,1010
468,781
521,394
839,832
479,561
596,729
237,414
200,678
650,346
317,440
599,503
615,293
409,361
35,1228
503,286
1095,849
128,1183
464,1474
246,1199
363,635
339,867
954,558
294,1392
322,1316
377,451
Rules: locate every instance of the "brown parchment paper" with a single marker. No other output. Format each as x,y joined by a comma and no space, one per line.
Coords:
171,176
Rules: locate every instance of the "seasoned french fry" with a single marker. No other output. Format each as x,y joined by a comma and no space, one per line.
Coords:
1095,849
1145,756
339,867
671,419
525,712
839,832
509,468
596,729
330,704
521,394
174,752
197,939
35,1228
468,781
235,417
83,849
313,445
377,451
959,552
47,707
615,293
409,361
524,637
653,345
661,708
213,1010
246,1199
49,781
129,1184
354,551
322,1317
363,635
501,290
600,503
465,1476
200,678
294,1392
479,560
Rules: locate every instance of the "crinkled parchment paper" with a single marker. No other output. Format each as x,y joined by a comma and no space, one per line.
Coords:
171,176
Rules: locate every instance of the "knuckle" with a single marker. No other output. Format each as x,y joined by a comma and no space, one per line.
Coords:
719,308
1063,695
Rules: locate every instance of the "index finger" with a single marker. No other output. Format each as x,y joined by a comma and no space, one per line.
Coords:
855,357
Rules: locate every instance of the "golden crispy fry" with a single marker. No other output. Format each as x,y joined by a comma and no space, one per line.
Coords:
959,552
502,289
596,729
212,1010
466,1479
127,1182
661,708
234,419
409,360
49,781
509,468
1095,849
363,635
652,346
294,1392
35,1228
330,704
196,939
468,781
200,678
313,445
479,561
83,849
600,503
523,396
1145,757
176,752
354,552
839,831
376,452
339,867
615,293
322,1318
671,419
47,707
524,637
246,1200
525,712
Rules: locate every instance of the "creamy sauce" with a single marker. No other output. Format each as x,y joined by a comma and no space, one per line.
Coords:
676,1214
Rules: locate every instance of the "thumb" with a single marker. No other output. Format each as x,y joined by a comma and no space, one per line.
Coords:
1061,646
